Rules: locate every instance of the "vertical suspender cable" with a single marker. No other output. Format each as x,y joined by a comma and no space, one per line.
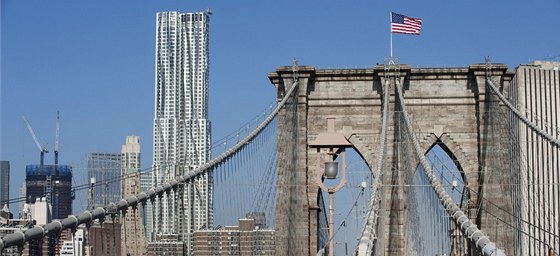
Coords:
156,193
365,246
533,126
476,236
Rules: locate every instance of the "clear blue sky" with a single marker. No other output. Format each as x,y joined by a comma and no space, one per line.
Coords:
94,60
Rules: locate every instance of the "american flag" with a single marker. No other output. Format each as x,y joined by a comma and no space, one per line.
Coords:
405,25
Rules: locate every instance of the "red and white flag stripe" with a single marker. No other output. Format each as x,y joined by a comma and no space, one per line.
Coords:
405,25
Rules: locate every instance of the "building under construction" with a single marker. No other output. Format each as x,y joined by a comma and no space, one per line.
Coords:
53,182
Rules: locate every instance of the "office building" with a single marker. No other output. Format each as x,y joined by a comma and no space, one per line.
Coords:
40,211
22,194
132,238
106,169
181,131
535,92
54,184
4,182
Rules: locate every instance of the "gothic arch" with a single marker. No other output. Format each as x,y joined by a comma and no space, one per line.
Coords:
454,151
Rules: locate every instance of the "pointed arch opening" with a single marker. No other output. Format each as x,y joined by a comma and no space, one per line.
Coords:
433,229
350,203
449,171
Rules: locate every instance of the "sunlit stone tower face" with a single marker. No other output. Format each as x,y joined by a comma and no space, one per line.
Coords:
181,126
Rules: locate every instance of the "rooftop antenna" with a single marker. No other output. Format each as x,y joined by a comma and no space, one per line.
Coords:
44,149
56,138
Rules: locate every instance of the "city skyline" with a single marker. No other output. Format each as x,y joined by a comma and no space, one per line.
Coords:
104,67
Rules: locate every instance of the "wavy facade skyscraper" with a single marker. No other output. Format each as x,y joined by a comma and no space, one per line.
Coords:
181,126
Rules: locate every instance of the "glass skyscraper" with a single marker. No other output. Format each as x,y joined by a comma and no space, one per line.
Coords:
106,169
181,126
4,182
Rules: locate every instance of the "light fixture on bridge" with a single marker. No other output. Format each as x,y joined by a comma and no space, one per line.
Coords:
334,144
331,170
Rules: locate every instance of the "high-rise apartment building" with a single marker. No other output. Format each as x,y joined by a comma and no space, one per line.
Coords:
73,242
4,182
181,126
168,244
147,212
246,239
132,237
106,169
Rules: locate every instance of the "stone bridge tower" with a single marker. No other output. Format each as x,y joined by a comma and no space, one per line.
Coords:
448,107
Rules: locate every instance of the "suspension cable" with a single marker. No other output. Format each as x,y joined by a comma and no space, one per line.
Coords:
72,221
365,245
475,235
509,213
533,126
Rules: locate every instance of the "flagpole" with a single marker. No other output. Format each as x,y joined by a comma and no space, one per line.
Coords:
391,34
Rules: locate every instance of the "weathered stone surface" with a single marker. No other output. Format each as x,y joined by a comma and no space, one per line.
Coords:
447,107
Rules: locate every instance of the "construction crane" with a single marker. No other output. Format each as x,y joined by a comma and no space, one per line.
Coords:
56,138
44,149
